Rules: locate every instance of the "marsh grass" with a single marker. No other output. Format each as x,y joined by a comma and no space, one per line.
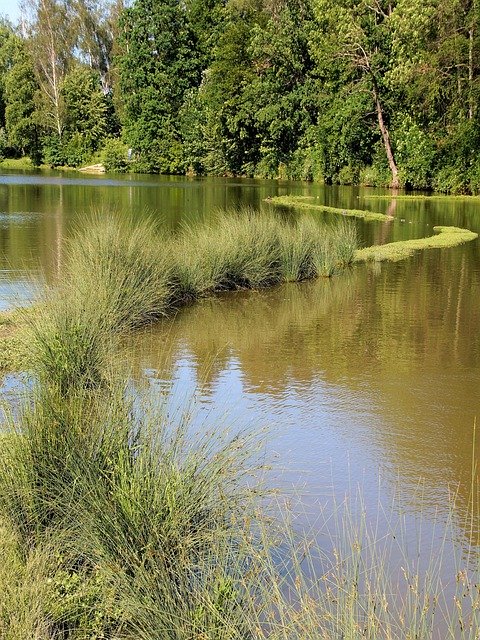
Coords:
122,265
131,521
309,203
123,274
121,522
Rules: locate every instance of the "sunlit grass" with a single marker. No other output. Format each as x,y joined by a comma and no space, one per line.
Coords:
394,251
119,521
309,203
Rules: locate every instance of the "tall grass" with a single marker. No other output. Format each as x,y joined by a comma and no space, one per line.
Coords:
125,518
122,274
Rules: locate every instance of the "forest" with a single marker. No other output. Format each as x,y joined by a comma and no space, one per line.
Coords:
372,92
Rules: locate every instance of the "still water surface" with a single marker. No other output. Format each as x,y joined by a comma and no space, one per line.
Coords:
374,373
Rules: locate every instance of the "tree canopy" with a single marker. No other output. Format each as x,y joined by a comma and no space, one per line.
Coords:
381,92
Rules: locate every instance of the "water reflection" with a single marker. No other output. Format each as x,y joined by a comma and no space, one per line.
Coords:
376,369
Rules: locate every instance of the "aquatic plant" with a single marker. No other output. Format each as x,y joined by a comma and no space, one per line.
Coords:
394,251
309,203
122,274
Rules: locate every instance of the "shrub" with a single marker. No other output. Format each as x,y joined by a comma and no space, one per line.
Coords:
53,151
114,156
76,149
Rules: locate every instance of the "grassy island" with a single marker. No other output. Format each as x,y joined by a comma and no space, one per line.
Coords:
414,197
308,202
394,251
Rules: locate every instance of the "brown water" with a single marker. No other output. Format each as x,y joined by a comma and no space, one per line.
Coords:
374,373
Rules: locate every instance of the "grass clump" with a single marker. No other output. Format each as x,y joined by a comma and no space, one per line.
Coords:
136,532
123,265
13,350
394,251
308,202
236,250
246,250
123,274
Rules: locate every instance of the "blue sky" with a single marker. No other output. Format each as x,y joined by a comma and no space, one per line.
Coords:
10,9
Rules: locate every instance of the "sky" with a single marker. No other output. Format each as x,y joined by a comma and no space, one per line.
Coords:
10,9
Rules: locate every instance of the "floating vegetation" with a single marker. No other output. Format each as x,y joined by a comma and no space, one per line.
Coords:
308,202
394,251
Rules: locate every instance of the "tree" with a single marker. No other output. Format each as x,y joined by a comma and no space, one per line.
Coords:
356,35
157,66
94,38
283,93
224,101
85,114
19,94
51,41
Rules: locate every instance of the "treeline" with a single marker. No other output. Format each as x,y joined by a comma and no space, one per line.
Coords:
341,91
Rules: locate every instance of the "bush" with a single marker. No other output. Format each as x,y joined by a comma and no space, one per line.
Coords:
53,151
76,149
114,156
348,175
414,153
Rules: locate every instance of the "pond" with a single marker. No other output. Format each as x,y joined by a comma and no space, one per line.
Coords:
369,378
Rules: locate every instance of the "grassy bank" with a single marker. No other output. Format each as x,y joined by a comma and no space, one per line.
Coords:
133,275
122,275
308,202
394,251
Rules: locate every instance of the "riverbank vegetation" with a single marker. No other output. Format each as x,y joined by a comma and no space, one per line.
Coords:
134,275
137,275
120,520
327,90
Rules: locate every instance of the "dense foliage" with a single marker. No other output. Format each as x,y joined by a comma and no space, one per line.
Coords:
345,91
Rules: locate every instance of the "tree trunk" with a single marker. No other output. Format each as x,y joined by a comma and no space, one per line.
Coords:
395,183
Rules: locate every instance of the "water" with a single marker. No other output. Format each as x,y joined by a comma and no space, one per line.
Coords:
373,374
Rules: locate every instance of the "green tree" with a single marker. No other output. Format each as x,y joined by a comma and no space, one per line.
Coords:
85,114
19,94
51,41
283,93
356,37
225,105
157,66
